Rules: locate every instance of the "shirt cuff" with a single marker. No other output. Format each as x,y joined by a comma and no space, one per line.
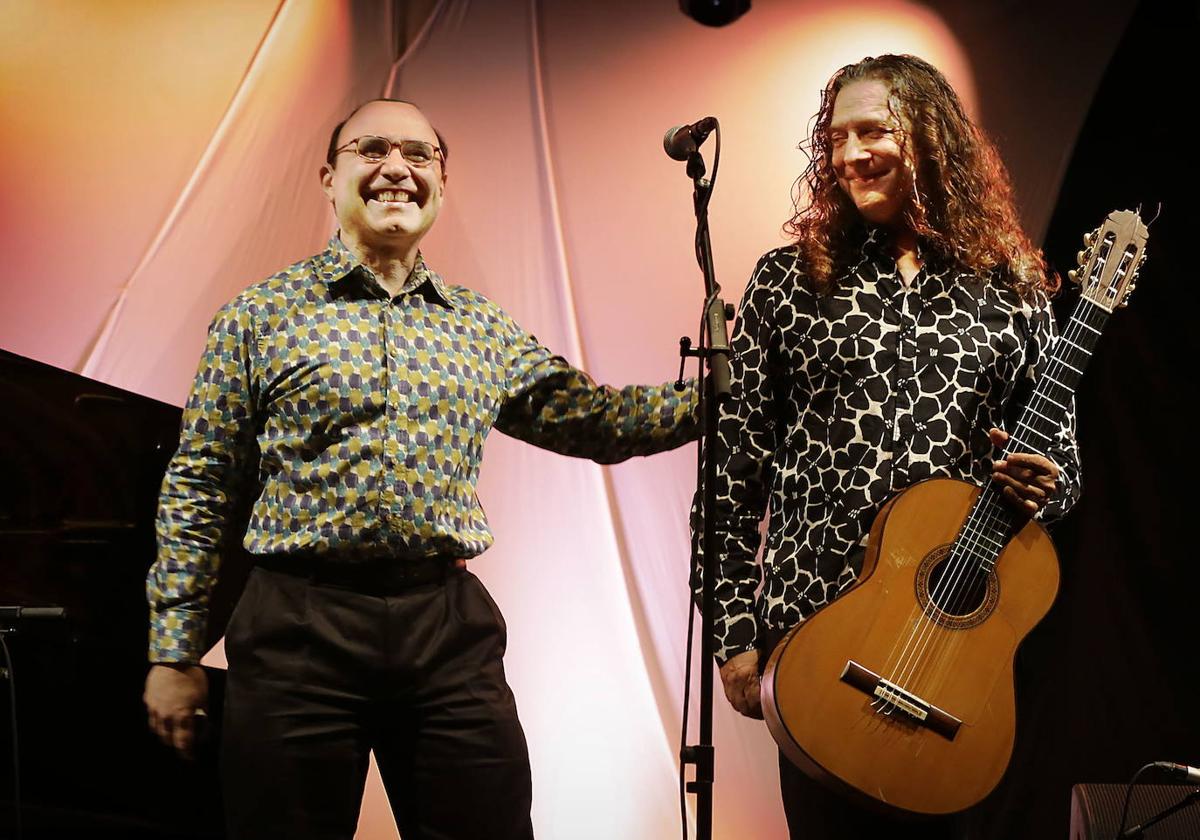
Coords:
177,635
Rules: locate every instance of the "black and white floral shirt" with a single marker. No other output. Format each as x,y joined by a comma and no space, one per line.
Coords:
840,401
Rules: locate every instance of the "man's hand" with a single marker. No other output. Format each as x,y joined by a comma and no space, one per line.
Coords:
175,695
1027,481
740,677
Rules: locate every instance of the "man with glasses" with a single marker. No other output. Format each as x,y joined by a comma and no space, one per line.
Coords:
353,392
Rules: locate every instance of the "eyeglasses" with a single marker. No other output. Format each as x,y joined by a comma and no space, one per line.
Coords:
375,149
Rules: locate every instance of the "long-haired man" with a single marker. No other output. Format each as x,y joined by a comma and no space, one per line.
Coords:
890,343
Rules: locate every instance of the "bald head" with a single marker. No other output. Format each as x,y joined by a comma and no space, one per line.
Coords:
336,139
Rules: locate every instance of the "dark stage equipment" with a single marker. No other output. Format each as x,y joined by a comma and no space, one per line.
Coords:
1096,811
83,464
714,12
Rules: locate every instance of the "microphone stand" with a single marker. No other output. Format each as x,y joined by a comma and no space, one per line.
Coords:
713,350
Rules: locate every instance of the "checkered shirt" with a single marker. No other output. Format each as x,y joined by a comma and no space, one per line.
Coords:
358,422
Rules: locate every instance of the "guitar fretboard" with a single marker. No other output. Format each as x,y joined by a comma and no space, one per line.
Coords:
1109,266
990,524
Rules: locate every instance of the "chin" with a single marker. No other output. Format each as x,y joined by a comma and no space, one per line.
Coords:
880,213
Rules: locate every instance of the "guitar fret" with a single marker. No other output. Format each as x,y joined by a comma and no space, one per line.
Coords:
1049,420
1066,388
1046,397
996,544
1022,446
1023,425
1018,437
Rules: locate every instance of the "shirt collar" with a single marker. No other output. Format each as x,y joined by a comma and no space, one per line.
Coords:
876,242
336,263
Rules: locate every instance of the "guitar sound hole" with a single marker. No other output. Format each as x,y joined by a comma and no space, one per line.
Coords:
956,591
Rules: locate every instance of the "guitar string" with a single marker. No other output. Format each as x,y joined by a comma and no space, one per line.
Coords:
985,518
999,520
964,572
988,516
902,672
957,562
1019,434
994,517
977,526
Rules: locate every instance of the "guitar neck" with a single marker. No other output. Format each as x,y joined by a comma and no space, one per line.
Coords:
1108,267
990,524
1047,409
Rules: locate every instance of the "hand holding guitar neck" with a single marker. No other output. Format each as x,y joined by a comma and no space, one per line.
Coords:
1027,480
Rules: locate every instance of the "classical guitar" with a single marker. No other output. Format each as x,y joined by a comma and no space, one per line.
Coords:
900,692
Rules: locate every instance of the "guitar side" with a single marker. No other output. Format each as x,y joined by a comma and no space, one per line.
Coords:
957,670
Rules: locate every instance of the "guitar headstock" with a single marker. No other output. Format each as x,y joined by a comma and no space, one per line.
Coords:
1110,259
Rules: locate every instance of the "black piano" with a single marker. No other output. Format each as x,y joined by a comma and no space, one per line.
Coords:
82,464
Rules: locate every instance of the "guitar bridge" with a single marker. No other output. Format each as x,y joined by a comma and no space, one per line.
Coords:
921,711
894,695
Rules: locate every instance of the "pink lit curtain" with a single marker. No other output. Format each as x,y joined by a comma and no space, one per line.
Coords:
157,158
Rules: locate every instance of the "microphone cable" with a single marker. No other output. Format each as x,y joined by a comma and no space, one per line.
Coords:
1136,831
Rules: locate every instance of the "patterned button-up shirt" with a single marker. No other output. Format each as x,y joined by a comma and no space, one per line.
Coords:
359,422
841,401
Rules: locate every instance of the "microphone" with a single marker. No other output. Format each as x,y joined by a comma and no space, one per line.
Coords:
10,614
683,140
1181,772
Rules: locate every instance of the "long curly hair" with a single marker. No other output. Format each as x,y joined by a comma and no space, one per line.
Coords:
962,203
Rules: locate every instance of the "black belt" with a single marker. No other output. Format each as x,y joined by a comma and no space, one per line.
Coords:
378,576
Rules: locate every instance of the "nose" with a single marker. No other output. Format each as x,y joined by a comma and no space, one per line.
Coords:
394,166
854,150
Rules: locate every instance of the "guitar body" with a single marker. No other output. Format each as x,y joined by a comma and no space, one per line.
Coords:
822,697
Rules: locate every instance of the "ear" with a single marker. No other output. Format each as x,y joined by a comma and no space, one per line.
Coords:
326,173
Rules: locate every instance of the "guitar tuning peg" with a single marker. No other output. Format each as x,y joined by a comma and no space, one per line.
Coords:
1081,257
1089,238
1073,276
1128,291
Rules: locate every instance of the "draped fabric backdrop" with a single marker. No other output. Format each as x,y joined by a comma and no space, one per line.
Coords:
157,158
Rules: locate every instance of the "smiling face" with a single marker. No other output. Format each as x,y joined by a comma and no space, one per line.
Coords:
869,156
384,207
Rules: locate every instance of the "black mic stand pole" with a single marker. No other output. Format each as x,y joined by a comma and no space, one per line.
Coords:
715,384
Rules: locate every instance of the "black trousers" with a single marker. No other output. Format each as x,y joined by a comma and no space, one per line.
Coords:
815,813
320,675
